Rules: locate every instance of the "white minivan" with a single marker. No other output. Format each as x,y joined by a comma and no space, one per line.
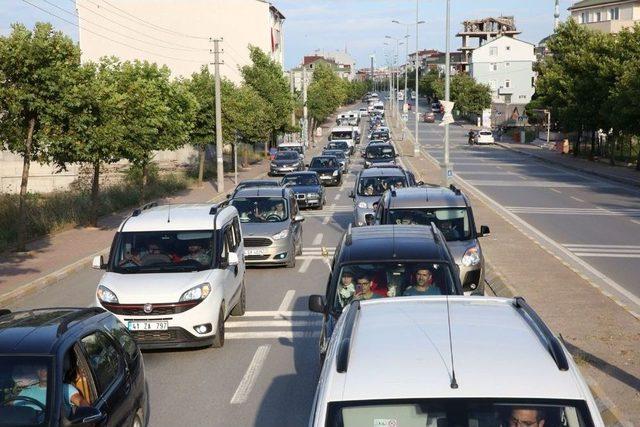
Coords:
344,133
175,273
401,362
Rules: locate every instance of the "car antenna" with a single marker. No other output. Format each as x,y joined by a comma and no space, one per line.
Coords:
169,214
454,383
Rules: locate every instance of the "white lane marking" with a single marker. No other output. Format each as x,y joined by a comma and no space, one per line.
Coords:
544,184
305,265
337,197
635,222
585,245
272,323
555,191
286,302
577,199
606,255
574,211
318,239
271,335
250,377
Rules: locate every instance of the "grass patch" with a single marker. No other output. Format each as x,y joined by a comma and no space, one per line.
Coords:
47,213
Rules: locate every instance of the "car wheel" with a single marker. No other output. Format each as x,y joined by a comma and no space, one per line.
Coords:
241,305
299,251
218,339
292,261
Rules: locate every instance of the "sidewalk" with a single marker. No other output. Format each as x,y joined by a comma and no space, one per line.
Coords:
55,256
603,338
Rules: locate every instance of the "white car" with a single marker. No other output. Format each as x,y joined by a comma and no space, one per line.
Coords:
485,136
395,362
174,274
364,112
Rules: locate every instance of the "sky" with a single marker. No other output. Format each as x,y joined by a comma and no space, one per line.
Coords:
359,26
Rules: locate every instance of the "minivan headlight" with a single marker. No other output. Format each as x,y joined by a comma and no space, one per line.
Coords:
471,257
105,294
196,293
281,235
335,173
362,205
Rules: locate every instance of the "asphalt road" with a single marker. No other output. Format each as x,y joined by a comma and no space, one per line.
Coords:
590,222
265,375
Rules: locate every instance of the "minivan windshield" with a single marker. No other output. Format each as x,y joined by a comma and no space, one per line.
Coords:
391,279
453,222
163,251
342,134
459,412
376,185
25,391
261,209
379,151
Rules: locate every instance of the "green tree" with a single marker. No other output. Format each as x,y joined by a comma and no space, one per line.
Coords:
427,83
202,87
36,68
266,77
470,97
325,94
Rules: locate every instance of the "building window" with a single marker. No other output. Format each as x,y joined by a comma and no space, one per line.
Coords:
508,47
598,16
494,67
507,99
614,13
493,84
493,51
507,64
533,82
584,18
507,84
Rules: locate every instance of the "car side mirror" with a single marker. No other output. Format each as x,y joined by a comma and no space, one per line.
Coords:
369,219
228,196
298,218
317,304
232,259
484,230
86,415
98,263
420,183
352,196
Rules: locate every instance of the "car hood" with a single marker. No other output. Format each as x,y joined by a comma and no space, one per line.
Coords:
285,162
306,188
321,171
154,288
266,229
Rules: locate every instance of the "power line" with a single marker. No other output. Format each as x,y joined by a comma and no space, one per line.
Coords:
105,37
179,46
149,24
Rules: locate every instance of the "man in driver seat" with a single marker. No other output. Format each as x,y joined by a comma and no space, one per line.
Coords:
38,392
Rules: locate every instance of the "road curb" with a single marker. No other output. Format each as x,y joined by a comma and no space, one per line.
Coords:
619,179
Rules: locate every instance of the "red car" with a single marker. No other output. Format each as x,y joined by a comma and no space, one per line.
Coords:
429,117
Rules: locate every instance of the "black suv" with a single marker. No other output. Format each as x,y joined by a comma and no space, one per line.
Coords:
328,169
70,366
385,261
376,154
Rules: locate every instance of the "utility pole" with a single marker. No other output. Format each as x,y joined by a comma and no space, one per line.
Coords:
304,107
292,87
416,144
406,68
219,159
448,172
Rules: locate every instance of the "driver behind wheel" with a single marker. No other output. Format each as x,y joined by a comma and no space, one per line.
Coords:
197,253
38,392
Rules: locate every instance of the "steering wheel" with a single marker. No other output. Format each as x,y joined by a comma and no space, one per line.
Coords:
126,261
36,402
273,218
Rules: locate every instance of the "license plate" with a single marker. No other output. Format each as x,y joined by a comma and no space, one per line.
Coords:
153,325
254,251
325,177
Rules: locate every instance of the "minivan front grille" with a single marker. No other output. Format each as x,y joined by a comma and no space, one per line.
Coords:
253,242
156,309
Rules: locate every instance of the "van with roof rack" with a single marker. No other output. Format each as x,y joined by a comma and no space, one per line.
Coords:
381,262
450,209
70,366
449,361
175,273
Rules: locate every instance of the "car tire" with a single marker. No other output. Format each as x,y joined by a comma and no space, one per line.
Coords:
292,261
218,339
241,306
299,251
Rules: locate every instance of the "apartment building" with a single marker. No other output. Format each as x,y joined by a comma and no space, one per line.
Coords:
609,16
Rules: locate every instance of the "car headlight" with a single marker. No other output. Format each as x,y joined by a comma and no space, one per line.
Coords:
273,165
471,257
106,295
199,292
335,173
281,235
362,205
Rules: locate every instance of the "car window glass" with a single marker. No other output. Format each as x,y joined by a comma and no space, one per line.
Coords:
229,237
236,231
121,334
25,390
104,359
261,209
377,185
452,222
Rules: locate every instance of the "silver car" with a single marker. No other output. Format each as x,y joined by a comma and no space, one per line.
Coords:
271,225
370,185
450,210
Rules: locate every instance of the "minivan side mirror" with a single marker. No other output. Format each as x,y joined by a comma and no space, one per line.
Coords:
419,183
98,263
86,415
484,230
352,196
317,304
232,259
228,196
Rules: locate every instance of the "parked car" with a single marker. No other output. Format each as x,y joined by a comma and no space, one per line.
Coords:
449,361
271,225
450,210
70,366
285,162
429,117
328,169
175,273
309,191
384,261
485,136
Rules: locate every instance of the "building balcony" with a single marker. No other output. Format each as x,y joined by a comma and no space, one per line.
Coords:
609,26
505,91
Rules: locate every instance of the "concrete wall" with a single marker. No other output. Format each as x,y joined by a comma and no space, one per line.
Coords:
182,43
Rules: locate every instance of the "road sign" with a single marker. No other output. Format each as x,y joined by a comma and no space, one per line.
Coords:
405,117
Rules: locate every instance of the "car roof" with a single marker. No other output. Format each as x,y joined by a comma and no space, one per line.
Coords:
301,173
497,353
418,197
374,171
196,216
250,182
38,331
325,156
262,192
342,129
389,242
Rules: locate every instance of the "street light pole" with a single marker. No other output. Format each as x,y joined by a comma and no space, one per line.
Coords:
416,145
448,172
